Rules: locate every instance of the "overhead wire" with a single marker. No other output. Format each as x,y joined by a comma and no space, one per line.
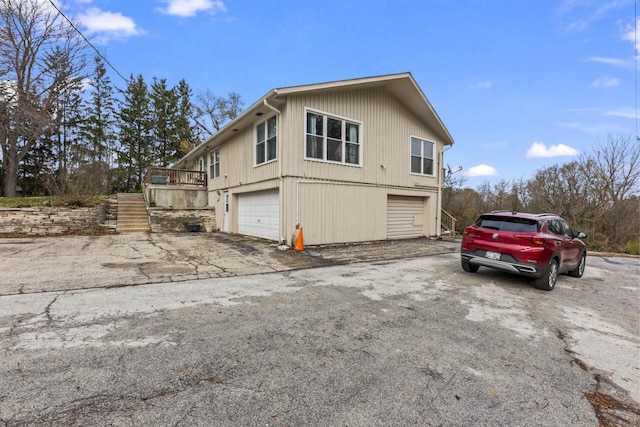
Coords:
635,60
104,58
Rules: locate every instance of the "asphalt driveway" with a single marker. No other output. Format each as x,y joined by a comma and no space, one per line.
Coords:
82,262
383,334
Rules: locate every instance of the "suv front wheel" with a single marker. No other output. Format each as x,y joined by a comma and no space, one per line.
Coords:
579,271
548,280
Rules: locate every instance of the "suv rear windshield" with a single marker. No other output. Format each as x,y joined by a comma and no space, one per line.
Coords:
508,223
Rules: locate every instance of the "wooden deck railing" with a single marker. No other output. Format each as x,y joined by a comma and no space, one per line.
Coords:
448,223
162,176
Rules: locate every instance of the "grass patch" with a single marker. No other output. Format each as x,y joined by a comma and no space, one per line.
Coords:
632,247
40,201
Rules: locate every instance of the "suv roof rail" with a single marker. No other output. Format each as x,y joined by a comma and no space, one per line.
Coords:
513,212
546,214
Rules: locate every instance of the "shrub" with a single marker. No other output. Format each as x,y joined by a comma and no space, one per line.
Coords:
632,247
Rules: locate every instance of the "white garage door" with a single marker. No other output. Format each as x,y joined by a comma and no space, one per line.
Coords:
405,217
259,214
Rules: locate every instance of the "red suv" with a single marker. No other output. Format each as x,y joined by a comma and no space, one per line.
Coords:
535,245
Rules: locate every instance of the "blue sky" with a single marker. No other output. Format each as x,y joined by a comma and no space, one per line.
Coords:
520,85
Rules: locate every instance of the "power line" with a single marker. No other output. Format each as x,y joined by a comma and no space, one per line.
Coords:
635,59
89,43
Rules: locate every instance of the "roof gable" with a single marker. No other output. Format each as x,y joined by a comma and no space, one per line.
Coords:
402,86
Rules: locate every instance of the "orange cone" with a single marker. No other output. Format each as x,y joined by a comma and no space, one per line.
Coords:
299,246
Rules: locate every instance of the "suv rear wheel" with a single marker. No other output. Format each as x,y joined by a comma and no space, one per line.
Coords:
471,268
548,280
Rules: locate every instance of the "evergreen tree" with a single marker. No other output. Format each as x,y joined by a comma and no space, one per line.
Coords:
164,111
36,170
135,153
187,131
98,128
66,118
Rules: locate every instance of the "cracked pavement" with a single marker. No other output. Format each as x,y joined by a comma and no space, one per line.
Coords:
224,330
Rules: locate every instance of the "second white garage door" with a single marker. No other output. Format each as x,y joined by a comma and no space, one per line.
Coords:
259,214
405,217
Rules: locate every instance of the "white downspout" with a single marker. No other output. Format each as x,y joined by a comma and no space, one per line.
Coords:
279,154
441,172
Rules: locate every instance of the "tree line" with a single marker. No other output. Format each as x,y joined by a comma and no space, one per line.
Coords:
66,129
598,193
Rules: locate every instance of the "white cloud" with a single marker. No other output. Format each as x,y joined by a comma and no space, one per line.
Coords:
586,13
605,82
630,35
481,170
609,61
187,8
86,84
111,24
627,113
594,127
482,85
538,149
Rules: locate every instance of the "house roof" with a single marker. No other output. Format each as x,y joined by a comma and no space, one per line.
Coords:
402,86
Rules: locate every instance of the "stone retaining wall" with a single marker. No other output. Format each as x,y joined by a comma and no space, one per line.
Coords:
176,220
50,220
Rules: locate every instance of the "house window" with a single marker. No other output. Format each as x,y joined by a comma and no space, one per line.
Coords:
332,139
421,156
266,141
214,168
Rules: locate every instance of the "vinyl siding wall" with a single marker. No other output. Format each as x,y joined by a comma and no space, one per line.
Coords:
342,203
331,212
387,127
238,174
333,203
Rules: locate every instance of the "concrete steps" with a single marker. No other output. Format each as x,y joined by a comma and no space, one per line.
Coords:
132,214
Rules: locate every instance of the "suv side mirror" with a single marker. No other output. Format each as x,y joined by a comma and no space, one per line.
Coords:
581,235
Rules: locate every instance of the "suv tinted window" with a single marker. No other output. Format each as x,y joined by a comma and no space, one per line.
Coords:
566,229
507,224
554,226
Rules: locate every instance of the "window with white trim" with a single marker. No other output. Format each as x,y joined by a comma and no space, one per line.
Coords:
421,156
332,139
266,141
214,167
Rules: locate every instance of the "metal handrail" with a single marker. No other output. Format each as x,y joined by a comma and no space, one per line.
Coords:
164,176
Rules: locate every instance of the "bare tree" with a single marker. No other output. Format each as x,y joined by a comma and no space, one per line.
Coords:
216,110
618,166
30,32
616,172
451,184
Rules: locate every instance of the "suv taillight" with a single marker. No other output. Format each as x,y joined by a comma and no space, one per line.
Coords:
467,231
536,240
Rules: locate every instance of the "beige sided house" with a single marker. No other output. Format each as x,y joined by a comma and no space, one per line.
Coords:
347,161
